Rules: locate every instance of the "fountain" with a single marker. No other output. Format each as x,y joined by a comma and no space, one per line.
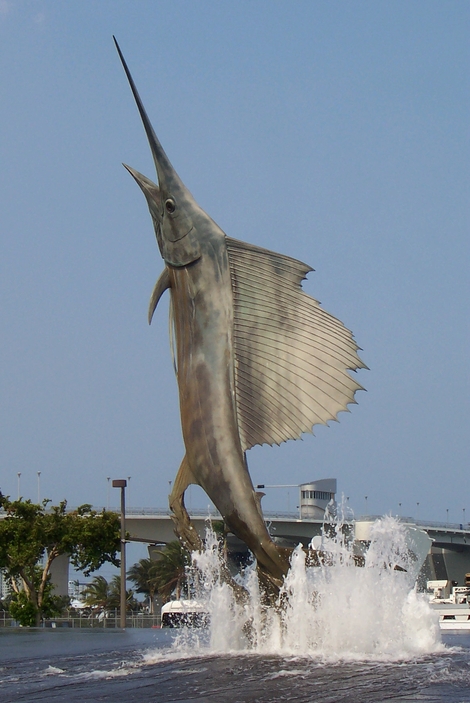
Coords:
332,610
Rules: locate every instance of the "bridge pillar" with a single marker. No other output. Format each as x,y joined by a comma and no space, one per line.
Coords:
60,575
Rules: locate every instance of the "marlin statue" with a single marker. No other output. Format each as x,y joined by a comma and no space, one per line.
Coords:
258,361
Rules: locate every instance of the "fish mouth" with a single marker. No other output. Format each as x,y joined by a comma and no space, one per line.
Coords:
168,179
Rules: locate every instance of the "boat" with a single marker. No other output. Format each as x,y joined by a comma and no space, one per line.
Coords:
451,603
184,613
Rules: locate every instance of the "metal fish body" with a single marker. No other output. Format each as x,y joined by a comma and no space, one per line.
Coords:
258,361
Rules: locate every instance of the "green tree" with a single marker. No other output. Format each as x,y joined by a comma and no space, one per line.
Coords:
32,536
165,575
23,610
144,575
103,595
115,595
170,570
96,594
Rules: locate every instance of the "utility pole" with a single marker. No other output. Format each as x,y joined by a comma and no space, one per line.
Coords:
122,483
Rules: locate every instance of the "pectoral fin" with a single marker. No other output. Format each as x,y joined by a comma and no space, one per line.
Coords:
160,287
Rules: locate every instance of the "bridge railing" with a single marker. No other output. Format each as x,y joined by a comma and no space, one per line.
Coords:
212,513
431,524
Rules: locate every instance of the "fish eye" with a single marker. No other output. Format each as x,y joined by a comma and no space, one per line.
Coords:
170,205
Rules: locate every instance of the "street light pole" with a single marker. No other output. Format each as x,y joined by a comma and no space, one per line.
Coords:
39,486
19,477
122,483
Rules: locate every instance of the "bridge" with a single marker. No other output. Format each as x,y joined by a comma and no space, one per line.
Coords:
448,557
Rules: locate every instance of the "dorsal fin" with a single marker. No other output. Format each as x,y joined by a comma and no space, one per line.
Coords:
291,357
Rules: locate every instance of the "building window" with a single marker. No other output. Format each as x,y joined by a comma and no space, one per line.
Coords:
317,495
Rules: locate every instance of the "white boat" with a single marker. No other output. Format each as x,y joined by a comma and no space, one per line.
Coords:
184,613
452,603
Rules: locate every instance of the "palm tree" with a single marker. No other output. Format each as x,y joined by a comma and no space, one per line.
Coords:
114,601
165,575
97,593
170,570
144,576
107,596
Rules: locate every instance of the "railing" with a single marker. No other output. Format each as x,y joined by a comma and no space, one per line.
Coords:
432,525
204,513
133,620
213,513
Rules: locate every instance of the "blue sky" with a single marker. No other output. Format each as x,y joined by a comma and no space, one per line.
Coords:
335,132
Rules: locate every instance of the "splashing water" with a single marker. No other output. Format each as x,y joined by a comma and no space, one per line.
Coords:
334,610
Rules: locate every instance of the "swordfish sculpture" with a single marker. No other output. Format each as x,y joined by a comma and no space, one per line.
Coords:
258,361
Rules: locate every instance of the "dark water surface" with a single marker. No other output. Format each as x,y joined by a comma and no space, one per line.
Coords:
143,666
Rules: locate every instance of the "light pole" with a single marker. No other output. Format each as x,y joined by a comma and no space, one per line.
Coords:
19,478
39,486
122,483
399,505
108,478
128,486
463,512
365,498
447,518
417,510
